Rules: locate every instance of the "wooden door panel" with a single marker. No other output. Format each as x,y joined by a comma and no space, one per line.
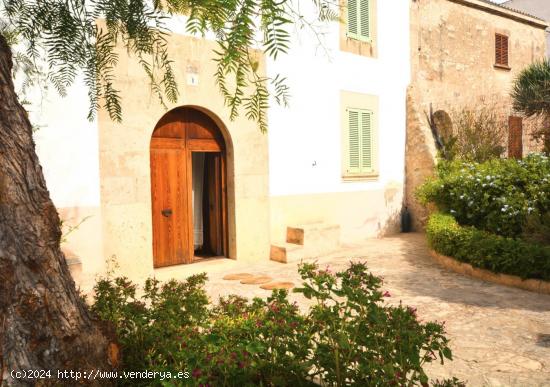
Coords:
179,133
169,202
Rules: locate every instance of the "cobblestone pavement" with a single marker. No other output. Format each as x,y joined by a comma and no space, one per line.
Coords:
500,336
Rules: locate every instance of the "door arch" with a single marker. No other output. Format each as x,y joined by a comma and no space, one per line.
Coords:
187,152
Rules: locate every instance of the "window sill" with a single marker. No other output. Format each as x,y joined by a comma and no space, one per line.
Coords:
353,178
360,40
502,67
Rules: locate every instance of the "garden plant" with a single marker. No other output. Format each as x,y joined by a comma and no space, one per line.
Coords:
494,214
348,336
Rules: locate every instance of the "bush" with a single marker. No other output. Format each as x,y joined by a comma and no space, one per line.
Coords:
474,133
487,251
349,337
480,133
496,196
537,229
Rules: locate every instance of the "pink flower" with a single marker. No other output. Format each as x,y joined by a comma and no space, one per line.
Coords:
386,294
196,373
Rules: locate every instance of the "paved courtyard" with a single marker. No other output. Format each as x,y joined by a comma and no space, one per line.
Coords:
500,336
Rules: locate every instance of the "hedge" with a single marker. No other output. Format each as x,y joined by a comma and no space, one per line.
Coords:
498,196
488,251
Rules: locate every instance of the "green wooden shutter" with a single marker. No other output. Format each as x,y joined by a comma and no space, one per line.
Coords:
360,142
359,19
364,19
353,19
366,142
354,142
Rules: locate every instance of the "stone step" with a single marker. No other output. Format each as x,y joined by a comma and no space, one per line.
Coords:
306,241
286,252
319,237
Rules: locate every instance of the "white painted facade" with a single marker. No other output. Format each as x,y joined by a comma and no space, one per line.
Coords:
305,139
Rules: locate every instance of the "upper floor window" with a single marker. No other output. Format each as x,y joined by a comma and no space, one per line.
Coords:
501,50
359,20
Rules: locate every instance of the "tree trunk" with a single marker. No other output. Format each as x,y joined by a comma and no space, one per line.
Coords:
44,324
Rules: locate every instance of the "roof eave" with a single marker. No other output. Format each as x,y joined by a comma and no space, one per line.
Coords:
504,12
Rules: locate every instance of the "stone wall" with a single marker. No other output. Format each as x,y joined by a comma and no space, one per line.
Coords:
453,55
125,163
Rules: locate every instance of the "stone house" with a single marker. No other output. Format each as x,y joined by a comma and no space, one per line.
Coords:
463,53
166,189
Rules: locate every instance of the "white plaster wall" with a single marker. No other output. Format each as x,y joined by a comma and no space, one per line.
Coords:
306,133
305,139
67,146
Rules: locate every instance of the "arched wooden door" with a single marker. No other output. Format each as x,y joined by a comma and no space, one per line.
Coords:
180,134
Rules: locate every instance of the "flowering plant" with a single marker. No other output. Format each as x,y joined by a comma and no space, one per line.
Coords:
348,337
498,196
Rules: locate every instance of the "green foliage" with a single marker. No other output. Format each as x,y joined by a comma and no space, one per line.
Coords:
357,338
68,37
442,131
480,133
349,336
537,229
488,251
497,195
531,92
469,133
531,96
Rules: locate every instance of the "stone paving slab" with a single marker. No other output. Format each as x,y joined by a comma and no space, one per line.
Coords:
500,336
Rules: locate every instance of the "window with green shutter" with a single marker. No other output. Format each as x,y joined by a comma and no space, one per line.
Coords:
359,20
360,142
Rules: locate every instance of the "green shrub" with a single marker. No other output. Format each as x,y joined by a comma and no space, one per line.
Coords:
537,229
496,196
480,132
349,336
487,251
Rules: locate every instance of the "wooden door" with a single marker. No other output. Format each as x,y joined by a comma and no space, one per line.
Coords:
213,203
170,202
176,136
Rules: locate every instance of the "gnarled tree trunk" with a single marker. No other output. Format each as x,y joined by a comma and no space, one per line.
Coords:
44,324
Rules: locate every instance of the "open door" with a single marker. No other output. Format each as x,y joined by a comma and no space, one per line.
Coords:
169,202
180,134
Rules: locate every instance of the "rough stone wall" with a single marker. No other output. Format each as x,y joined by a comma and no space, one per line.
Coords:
453,55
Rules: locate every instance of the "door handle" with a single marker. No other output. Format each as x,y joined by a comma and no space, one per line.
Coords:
167,212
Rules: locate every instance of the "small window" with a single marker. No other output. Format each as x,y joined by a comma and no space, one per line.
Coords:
359,20
501,50
360,144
